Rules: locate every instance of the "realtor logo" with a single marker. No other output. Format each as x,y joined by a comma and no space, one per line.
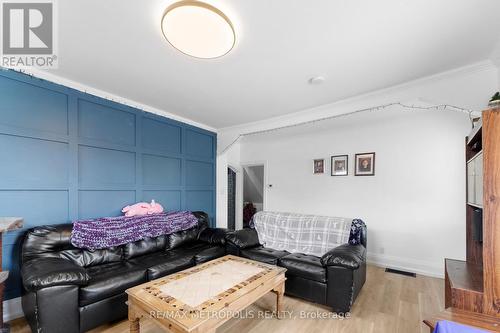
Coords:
28,32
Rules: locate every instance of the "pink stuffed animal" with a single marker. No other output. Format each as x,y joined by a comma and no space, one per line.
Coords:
143,208
155,208
140,208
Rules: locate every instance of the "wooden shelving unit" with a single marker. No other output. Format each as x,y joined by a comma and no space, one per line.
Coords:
472,287
463,285
491,211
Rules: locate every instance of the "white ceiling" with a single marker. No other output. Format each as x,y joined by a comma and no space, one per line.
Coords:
358,46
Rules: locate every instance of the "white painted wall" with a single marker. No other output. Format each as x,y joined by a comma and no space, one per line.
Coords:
495,58
259,206
413,206
498,72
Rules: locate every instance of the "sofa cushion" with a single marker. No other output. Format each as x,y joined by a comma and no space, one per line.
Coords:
203,219
192,247
243,239
88,258
214,236
166,263
264,254
46,241
144,246
110,279
210,253
172,261
180,238
304,266
49,272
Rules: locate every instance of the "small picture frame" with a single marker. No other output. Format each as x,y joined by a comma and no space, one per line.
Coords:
319,166
364,164
340,166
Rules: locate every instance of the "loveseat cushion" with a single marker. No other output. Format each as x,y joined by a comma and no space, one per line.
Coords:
49,272
346,255
304,266
109,280
264,254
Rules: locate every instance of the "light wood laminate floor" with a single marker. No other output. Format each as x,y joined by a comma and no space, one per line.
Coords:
388,303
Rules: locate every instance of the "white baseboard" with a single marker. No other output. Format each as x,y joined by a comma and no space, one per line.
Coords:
420,267
12,309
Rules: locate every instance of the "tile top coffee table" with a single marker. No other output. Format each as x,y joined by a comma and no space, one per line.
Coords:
202,298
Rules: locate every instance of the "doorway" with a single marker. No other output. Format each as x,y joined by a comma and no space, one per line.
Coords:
231,199
253,191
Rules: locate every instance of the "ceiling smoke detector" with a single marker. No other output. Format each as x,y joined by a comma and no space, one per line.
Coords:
316,80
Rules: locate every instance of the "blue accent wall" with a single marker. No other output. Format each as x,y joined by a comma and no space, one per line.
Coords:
68,155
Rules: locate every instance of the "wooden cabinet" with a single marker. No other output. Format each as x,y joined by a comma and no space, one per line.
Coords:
474,285
491,212
463,285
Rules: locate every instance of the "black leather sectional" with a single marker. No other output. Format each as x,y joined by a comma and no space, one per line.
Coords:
67,289
335,279
70,290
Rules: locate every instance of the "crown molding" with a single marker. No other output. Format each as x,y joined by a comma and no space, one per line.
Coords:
315,112
45,75
299,116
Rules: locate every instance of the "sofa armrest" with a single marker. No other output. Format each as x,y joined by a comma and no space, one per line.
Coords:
213,236
345,255
243,239
48,272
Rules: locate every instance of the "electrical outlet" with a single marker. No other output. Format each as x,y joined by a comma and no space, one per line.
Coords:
381,250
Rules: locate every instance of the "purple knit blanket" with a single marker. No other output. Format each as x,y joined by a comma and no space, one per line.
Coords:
114,231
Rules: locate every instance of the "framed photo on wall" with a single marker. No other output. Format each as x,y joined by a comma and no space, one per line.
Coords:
364,164
319,166
340,165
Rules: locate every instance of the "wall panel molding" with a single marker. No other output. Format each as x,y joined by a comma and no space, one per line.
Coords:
72,155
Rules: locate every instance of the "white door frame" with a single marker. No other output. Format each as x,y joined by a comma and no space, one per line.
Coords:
264,182
238,197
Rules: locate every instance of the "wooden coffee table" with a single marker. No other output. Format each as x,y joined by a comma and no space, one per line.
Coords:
202,298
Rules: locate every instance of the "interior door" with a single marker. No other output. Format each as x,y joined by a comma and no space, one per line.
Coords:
231,199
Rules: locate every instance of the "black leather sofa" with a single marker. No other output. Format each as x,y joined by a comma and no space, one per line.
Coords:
70,290
334,280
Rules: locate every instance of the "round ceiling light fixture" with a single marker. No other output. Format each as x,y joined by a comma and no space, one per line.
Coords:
198,29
